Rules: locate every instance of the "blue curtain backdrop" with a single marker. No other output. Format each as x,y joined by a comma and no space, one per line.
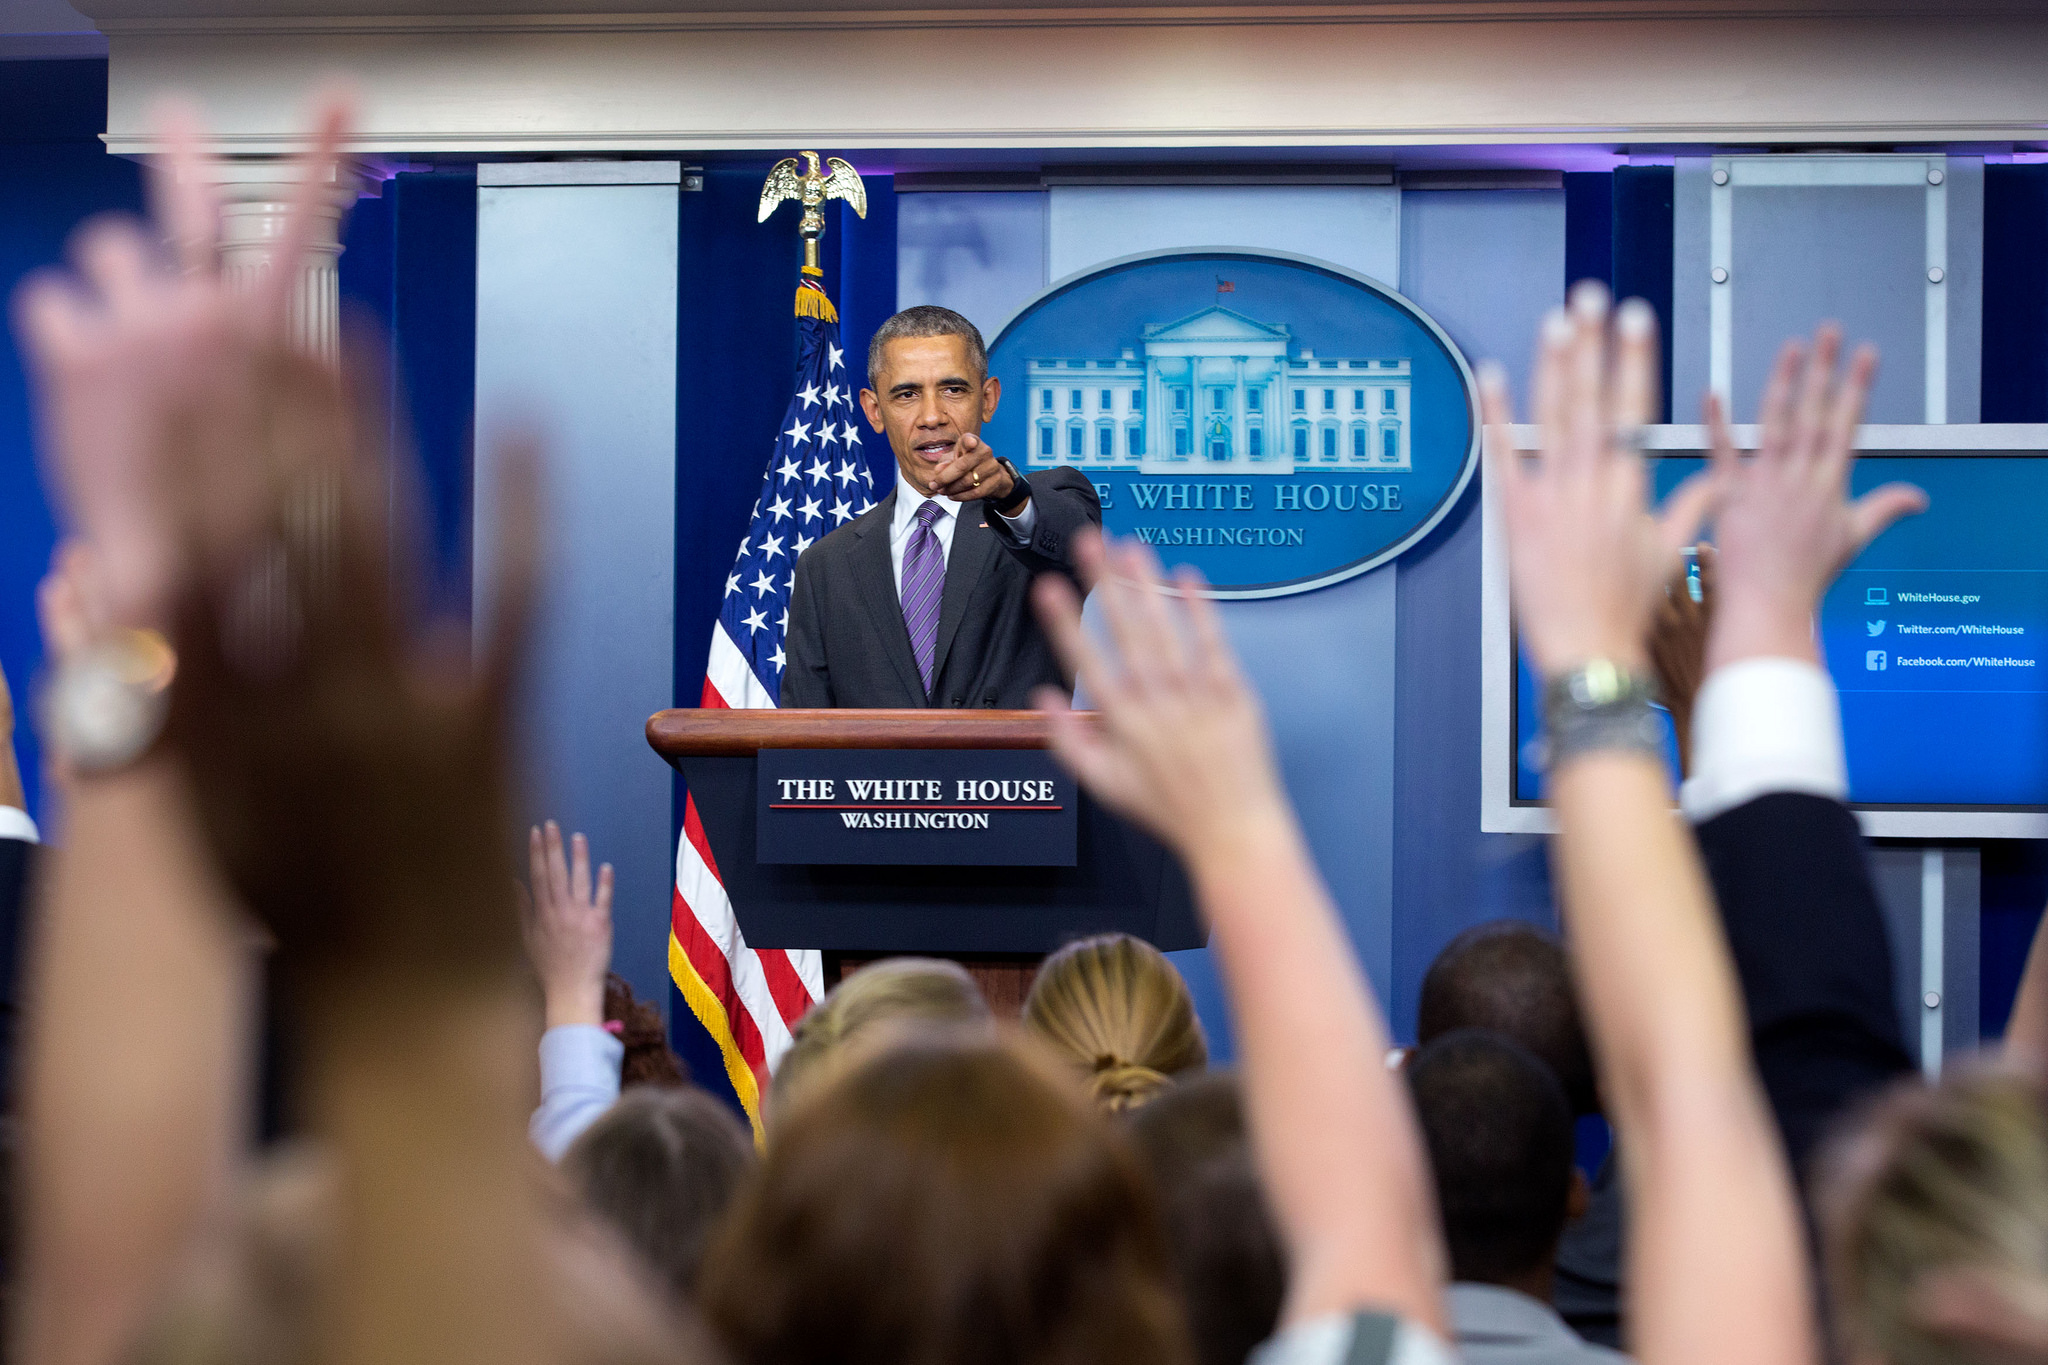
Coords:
408,273
54,174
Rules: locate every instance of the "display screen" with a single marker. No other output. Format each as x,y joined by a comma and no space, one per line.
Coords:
1933,636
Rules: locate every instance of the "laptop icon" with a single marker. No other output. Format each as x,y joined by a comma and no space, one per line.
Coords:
1876,597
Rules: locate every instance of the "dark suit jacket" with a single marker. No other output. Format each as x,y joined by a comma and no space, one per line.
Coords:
1815,964
847,644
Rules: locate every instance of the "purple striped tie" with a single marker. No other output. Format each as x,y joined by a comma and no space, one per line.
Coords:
924,583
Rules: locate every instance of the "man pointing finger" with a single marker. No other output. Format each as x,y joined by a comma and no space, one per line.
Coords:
924,600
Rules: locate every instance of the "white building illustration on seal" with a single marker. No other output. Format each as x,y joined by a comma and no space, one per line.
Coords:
1219,393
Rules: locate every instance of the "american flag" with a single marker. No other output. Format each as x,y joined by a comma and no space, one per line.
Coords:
747,999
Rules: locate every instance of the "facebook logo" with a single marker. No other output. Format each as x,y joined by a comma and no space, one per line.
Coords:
1874,660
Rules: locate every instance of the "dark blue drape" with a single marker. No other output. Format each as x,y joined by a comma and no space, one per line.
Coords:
54,174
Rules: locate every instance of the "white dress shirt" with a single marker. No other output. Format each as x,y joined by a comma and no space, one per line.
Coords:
1018,528
16,824
1760,726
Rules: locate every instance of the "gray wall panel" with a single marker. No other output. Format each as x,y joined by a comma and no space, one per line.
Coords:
980,254
576,339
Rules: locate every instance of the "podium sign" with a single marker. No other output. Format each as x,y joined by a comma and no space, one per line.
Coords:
804,877
917,807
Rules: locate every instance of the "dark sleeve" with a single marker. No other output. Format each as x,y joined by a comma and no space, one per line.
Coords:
17,867
16,857
1067,505
1810,948
806,676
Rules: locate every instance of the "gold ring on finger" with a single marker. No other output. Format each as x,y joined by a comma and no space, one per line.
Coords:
977,478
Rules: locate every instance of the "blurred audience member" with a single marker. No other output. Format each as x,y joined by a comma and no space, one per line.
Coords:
661,1166
648,1059
950,1198
1934,1215
1116,1009
881,996
1219,1230
1716,1265
1179,744
321,769
1499,1131
1515,979
1512,978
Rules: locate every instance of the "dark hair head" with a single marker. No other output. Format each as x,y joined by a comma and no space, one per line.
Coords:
1515,979
927,320
1226,1250
1500,1142
648,1059
950,1199
661,1166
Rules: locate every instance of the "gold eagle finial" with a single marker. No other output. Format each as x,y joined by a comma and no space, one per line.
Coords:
834,179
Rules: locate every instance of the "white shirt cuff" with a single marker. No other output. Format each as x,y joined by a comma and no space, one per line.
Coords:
1761,726
1020,527
16,824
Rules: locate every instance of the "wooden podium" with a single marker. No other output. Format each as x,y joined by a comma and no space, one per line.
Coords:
997,920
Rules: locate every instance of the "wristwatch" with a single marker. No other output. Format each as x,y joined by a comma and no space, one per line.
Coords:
1600,705
1020,491
106,705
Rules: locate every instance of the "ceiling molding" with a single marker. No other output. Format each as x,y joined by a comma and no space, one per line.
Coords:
972,16
486,142
1126,78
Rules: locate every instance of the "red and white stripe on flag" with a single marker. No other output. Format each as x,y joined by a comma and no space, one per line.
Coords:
747,999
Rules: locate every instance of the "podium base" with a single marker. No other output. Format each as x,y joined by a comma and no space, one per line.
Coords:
1005,978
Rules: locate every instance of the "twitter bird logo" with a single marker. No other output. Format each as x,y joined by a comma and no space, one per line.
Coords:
1874,627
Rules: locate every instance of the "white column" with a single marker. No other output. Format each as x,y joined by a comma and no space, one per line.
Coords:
1240,443
256,194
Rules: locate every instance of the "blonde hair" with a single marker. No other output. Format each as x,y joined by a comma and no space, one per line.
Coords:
896,990
1952,1177
1116,1009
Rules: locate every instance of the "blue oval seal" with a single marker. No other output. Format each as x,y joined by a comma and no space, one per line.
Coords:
1279,422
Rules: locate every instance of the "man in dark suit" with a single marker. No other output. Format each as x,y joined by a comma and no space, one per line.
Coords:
925,599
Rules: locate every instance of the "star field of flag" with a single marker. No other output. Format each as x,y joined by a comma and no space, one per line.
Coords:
818,480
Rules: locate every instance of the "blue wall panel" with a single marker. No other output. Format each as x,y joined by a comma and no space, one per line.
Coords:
1485,264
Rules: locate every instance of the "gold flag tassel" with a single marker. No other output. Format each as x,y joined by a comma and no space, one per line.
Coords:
811,187
811,299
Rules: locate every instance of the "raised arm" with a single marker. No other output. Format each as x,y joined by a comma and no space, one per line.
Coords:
1715,1260
568,924
136,1062
1182,748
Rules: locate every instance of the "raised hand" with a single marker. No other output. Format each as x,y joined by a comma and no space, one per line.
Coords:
354,779
568,926
1587,560
120,347
1181,746
1785,525
1678,649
